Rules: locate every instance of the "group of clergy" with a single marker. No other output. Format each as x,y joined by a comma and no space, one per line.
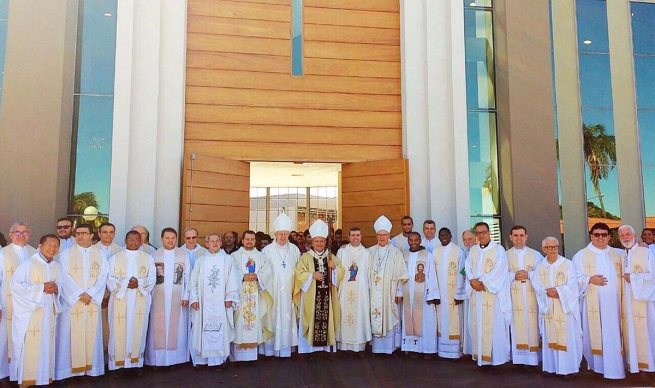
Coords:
69,312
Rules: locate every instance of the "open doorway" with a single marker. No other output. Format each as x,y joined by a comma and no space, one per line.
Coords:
305,192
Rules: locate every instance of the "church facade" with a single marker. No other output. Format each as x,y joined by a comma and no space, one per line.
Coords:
456,111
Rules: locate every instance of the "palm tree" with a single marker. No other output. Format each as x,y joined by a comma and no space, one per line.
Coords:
599,154
83,200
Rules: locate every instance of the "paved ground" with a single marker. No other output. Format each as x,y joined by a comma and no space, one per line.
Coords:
374,371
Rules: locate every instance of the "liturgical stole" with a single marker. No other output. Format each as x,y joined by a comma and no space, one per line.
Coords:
452,261
32,348
413,315
83,318
522,340
159,301
488,300
120,310
593,304
11,263
638,264
555,320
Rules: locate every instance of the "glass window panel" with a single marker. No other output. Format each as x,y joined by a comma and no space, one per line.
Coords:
595,81
93,150
483,163
4,9
643,39
603,197
478,3
3,49
296,37
604,117
592,26
649,192
98,47
644,76
647,136
480,77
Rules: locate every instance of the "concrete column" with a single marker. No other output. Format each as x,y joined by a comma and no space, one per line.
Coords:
37,113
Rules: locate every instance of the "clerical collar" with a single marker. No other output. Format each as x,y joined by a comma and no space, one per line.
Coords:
485,246
520,249
82,249
44,258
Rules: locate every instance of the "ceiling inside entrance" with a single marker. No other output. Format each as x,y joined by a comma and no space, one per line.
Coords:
272,174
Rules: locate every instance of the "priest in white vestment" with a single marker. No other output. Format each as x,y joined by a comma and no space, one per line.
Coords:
253,319
420,299
468,241
449,262
132,277
80,349
168,326
283,258
387,277
556,285
430,232
35,292
400,241
214,295
521,262
355,327
600,279
191,246
490,301
107,245
638,304
318,276
11,256
65,233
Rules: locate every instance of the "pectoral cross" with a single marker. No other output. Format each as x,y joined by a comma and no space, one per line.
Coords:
284,264
34,331
76,268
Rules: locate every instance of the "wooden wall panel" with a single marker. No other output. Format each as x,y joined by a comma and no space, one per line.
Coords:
243,103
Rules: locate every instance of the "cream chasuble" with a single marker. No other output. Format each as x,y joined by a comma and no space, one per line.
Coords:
129,309
525,322
355,327
79,326
253,320
168,326
214,281
449,261
601,309
33,324
490,309
639,309
400,242
11,257
283,261
559,317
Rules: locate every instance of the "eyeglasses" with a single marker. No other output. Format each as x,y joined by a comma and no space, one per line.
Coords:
551,247
19,233
383,234
482,233
600,235
82,233
191,238
60,227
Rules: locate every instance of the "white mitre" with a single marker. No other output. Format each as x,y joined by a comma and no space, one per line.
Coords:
319,229
382,223
282,222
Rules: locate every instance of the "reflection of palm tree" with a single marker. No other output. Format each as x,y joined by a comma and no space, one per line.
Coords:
599,154
83,200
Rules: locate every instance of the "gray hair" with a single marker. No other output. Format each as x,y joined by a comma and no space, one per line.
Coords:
468,231
19,223
549,238
632,229
189,229
213,234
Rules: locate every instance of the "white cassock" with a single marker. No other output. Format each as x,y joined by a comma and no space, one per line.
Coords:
283,261
526,259
491,269
467,343
122,328
194,253
419,319
213,282
430,245
639,314
109,251
388,274
33,321
450,260
168,326
11,257
610,361
400,242
253,323
80,325
561,274
65,243
355,327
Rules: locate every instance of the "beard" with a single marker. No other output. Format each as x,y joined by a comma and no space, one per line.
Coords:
629,244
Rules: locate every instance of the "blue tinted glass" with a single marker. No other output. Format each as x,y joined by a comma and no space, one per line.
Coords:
592,26
604,196
591,117
480,77
3,49
643,39
649,190
595,81
296,37
478,3
646,120
4,9
644,76
483,164
98,51
93,156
